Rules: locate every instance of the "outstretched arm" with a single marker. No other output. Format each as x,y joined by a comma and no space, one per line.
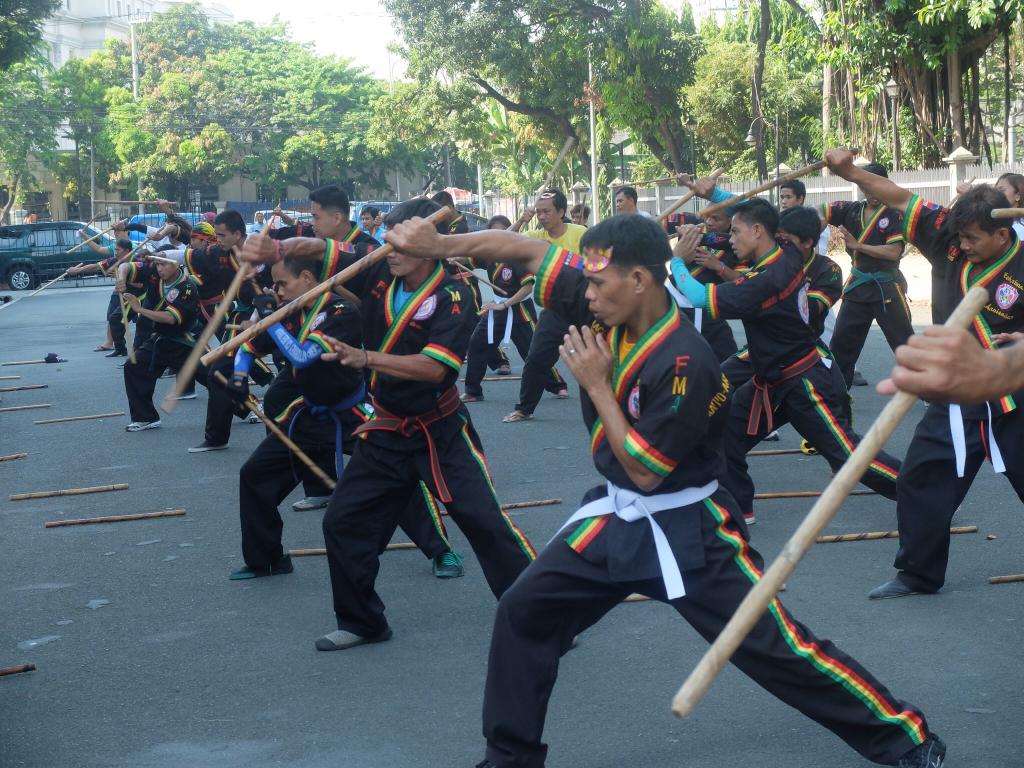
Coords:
418,237
840,162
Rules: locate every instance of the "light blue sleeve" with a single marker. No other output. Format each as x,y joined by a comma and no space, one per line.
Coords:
299,355
720,195
691,288
243,361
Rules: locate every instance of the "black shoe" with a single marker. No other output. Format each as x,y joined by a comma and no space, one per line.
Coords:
858,380
342,640
894,588
118,353
503,370
930,754
278,568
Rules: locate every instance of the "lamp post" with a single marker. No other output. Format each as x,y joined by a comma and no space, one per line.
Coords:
691,126
751,140
892,90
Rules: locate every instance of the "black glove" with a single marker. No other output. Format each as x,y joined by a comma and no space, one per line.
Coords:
265,305
238,387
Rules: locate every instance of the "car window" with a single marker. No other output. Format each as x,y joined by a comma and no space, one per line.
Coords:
69,237
9,238
48,239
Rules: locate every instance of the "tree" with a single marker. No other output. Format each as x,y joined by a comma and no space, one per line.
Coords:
28,129
21,24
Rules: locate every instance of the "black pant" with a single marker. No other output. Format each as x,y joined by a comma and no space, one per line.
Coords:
854,322
561,594
373,492
718,334
143,331
115,321
930,492
271,473
151,359
539,371
810,402
221,408
480,350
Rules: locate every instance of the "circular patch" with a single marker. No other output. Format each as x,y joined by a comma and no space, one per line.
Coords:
172,295
426,309
318,321
803,305
1006,295
634,402
506,274
883,222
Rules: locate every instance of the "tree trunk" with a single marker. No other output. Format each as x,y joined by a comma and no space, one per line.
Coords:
956,98
12,191
826,107
763,32
1006,96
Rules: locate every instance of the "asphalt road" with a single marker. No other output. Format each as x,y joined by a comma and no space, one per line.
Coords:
149,657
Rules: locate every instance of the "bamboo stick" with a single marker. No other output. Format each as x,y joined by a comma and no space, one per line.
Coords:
68,492
79,418
98,235
686,198
4,672
874,535
321,551
23,362
309,296
13,456
528,504
558,161
775,452
114,518
9,378
470,273
127,202
807,494
61,276
24,387
24,407
765,590
1008,213
764,188
1006,579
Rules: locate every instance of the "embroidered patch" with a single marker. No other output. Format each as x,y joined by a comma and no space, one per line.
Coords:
634,402
506,274
1006,295
932,206
883,222
803,305
318,321
172,295
426,309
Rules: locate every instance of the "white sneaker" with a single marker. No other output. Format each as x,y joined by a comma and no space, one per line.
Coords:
252,418
139,426
311,502
205,446
186,396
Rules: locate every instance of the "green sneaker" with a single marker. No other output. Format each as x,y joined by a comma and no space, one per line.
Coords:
448,565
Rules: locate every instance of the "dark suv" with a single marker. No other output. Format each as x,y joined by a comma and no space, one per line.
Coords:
33,253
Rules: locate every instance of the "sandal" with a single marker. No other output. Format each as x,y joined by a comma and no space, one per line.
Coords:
517,416
101,348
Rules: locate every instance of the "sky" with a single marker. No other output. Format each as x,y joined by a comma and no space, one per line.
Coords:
360,31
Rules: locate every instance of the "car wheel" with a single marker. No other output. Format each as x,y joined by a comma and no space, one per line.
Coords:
21,278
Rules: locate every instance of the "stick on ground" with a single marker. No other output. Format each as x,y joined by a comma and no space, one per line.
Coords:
23,362
1007,579
23,387
776,452
5,671
78,418
24,407
13,456
114,518
873,535
69,492
767,496
765,590
322,551
9,378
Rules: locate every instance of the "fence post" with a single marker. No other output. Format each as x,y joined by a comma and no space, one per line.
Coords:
659,193
957,160
860,162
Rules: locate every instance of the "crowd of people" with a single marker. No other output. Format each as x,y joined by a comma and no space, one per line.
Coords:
364,380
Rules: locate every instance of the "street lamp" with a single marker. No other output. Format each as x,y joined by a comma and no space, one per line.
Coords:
892,90
751,140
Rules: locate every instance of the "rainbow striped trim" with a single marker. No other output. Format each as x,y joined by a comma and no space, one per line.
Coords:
332,254
443,355
743,354
648,455
849,679
481,460
397,324
435,512
586,532
625,370
711,300
555,259
840,434
318,338
596,435
896,237
175,313
912,217
192,270
984,334
867,229
310,315
820,296
286,415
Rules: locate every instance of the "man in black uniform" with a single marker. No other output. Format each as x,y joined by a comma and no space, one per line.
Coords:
968,247
791,382
317,404
114,256
655,405
415,337
876,289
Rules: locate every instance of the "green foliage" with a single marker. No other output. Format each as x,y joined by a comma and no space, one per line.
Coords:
21,23
28,128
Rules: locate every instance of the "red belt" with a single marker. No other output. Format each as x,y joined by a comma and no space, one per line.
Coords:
384,421
762,391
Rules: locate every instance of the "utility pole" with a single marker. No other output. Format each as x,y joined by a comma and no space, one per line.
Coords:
135,64
92,177
594,191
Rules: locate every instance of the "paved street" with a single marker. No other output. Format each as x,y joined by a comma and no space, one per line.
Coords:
149,657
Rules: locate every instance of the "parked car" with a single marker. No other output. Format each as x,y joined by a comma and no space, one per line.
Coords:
157,220
475,222
33,253
275,221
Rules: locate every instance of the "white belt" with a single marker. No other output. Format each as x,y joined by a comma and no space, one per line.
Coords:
632,506
956,429
508,323
685,303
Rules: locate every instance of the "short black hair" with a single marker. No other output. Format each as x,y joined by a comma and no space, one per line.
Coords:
418,206
801,222
758,211
332,197
878,169
629,192
444,198
975,207
369,210
635,240
232,220
297,265
580,208
499,219
124,244
557,198
798,187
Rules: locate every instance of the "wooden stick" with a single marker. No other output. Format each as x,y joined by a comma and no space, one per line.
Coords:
686,198
321,551
9,378
1008,213
647,182
13,456
98,235
127,202
558,161
311,295
114,518
4,672
79,418
501,378
764,591
956,197
23,387
636,597
24,407
68,492
470,273
775,452
1006,579
704,213
807,494
254,407
185,373
873,535
61,276
23,362
527,504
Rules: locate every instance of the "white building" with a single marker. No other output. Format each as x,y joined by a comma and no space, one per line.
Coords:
705,9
